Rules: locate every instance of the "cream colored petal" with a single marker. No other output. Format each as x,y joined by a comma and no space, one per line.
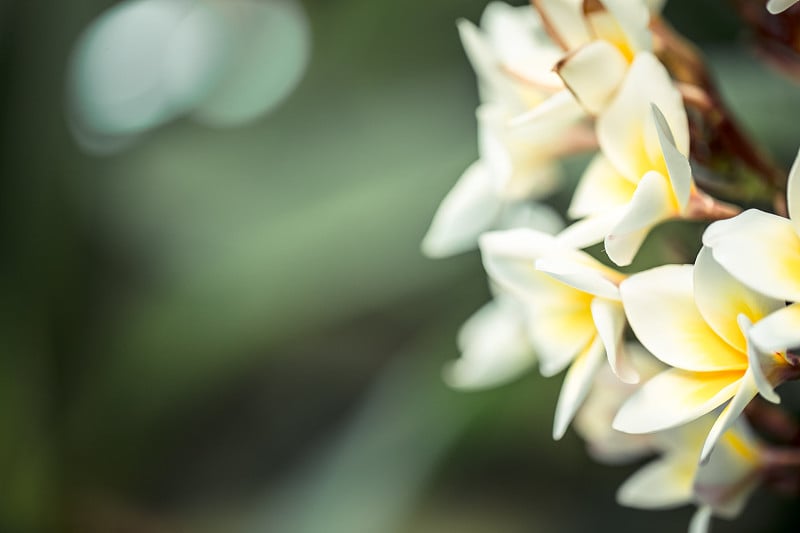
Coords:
680,172
564,21
494,347
576,386
651,203
761,364
593,73
721,299
675,397
580,276
778,6
632,19
701,520
778,331
495,152
528,214
661,484
760,250
660,307
793,194
626,130
468,210
482,58
547,120
600,189
591,230
559,316
746,390
609,319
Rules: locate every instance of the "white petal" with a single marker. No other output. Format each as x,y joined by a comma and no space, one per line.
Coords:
661,484
680,172
661,310
591,230
779,331
576,386
600,189
633,19
564,21
651,203
580,276
609,318
675,397
778,6
494,348
551,117
793,194
593,73
758,362
745,392
760,250
701,520
721,299
469,209
626,130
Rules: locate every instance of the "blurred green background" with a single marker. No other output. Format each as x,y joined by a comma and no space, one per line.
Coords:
233,330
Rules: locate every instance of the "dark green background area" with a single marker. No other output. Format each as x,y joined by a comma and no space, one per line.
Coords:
234,330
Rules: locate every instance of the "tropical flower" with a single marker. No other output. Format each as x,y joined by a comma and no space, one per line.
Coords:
513,59
762,251
641,176
720,486
573,311
778,6
601,39
697,320
494,347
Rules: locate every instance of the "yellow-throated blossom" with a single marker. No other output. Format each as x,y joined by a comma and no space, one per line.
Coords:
696,319
494,347
762,251
778,6
720,486
641,175
573,311
513,59
600,39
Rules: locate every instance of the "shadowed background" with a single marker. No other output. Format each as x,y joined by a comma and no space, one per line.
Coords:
233,329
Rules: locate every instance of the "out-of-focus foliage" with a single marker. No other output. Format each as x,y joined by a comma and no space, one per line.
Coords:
233,329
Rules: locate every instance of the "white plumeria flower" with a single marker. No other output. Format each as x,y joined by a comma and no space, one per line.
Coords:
779,6
697,320
593,421
719,487
601,39
573,310
494,347
762,251
495,192
642,175
513,59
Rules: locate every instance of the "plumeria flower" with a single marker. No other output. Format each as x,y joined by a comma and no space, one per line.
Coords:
513,59
762,251
697,320
641,176
494,347
593,421
574,315
779,6
600,39
719,487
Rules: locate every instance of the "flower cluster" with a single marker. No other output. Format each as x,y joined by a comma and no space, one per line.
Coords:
562,77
